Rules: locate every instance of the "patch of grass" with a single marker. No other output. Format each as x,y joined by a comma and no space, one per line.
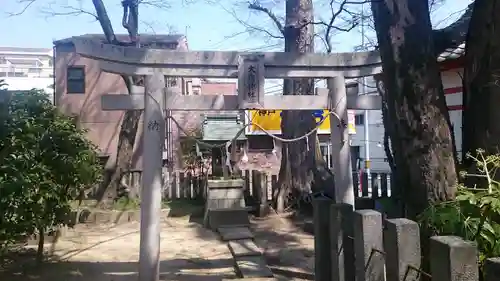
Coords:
178,207
121,204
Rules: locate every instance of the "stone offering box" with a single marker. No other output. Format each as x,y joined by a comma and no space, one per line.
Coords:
225,204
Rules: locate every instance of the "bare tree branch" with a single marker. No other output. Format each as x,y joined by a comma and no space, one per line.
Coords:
65,10
160,4
26,4
251,28
257,7
332,24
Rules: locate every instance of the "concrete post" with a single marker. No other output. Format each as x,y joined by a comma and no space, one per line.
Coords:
402,249
453,259
153,141
341,151
492,269
256,185
322,249
368,245
263,206
342,244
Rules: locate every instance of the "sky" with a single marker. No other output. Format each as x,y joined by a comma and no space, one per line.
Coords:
208,24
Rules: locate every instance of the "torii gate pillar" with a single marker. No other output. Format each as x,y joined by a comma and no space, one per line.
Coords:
153,141
341,153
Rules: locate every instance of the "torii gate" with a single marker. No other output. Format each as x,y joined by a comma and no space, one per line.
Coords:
251,70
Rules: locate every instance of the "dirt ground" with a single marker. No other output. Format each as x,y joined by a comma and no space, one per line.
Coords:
188,252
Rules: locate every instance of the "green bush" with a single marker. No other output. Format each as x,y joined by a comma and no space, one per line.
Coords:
475,214
45,162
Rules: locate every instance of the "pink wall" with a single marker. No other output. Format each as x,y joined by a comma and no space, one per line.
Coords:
103,126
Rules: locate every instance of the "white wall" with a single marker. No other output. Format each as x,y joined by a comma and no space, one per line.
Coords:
27,83
453,79
376,138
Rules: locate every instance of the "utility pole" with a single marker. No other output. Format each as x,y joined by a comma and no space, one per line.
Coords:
366,126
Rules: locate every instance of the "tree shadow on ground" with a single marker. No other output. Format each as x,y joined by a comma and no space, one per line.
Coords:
183,208
287,249
176,269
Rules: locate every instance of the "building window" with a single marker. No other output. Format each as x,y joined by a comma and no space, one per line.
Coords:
326,152
75,80
359,119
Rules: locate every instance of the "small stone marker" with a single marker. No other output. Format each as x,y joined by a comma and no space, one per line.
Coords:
492,269
243,248
453,259
368,239
227,218
253,267
235,233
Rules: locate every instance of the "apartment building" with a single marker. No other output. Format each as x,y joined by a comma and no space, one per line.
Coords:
27,68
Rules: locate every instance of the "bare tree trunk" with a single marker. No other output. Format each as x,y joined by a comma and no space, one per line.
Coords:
41,243
481,126
129,125
301,171
416,107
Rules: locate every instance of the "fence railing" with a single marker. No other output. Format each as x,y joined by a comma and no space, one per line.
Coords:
361,245
185,185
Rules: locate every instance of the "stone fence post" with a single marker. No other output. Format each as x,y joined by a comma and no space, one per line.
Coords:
368,246
453,259
342,243
492,269
402,249
322,248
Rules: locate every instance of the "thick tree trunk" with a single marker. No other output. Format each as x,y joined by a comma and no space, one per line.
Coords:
129,126
301,169
126,139
420,131
481,81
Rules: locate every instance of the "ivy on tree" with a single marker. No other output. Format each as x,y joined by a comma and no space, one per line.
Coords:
45,162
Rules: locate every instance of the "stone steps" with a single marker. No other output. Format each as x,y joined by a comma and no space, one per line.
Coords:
248,257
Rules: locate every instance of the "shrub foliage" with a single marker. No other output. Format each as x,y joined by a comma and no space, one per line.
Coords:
45,162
